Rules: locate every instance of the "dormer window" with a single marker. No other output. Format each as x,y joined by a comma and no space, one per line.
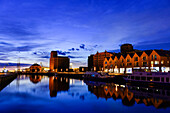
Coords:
128,60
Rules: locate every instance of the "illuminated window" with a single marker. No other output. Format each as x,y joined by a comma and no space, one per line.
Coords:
151,62
162,62
156,62
168,62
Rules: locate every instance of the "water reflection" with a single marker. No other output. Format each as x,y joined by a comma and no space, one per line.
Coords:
150,96
35,78
57,84
70,95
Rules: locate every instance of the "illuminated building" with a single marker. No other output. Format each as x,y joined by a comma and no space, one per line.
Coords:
83,69
95,62
154,60
58,63
35,68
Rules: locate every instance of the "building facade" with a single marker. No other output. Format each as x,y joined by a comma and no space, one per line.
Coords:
154,60
58,63
35,68
95,62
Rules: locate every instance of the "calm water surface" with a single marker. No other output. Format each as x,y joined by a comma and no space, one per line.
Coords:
56,94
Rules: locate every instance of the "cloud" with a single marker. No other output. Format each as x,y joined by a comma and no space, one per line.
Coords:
82,46
75,56
13,64
6,44
62,52
42,54
72,49
77,49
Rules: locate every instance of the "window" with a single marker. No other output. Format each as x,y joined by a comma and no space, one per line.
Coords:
168,62
162,62
129,64
128,60
122,60
105,62
155,57
151,62
156,62
144,63
144,58
110,62
136,58
136,64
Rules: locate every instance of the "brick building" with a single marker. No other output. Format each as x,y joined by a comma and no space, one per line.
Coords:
154,60
58,63
95,62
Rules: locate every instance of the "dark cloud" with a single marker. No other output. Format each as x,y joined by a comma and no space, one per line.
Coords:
11,28
13,64
75,56
42,54
72,49
153,46
114,51
62,52
30,47
82,46
45,57
5,43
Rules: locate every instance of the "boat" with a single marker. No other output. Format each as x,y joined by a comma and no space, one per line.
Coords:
150,77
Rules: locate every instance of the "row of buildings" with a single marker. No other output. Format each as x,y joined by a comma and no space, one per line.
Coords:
122,62
129,59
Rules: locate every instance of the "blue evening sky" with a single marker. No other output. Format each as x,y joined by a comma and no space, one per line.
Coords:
30,29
